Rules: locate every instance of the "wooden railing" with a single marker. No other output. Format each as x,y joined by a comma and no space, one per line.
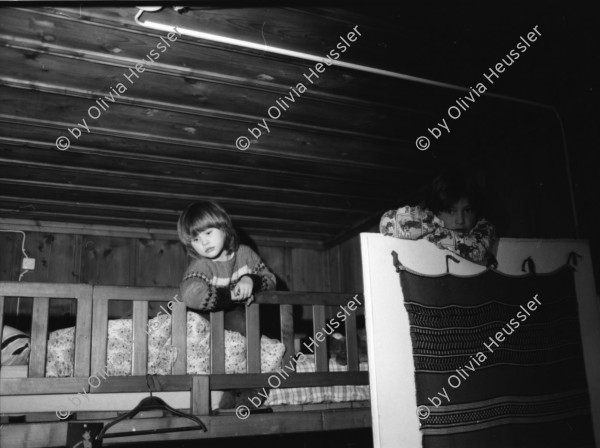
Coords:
41,294
92,335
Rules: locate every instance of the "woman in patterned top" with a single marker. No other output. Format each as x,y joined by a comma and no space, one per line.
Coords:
223,273
450,219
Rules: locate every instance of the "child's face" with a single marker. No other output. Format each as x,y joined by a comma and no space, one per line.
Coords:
460,217
210,243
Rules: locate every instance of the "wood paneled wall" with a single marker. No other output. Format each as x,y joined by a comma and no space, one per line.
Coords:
136,261
112,260
344,266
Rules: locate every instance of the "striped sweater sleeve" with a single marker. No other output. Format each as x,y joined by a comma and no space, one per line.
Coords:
262,277
198,292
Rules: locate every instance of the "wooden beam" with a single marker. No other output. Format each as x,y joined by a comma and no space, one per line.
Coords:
99,336
168,383
305,298
247,380
253,339
300,178
319,345
68,185
195,154
135,293
342,120
121,120
352,343
38,289
83,332
40,386
200,395
73,201
150,214
116,175
39,337
139,359
287,333
30,225
178,337
40,435
217,342
102,219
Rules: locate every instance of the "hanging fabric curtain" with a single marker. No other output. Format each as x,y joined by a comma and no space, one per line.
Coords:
498,360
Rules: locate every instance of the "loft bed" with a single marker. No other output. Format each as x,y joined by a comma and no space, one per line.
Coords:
30,403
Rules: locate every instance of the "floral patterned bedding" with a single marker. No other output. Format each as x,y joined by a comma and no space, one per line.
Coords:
161,355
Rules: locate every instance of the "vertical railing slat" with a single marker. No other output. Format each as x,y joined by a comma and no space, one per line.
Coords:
217,342
39,337
140,338
351,342
200,396
1,316
320,341
287,332
83,332
253,338
179,337
99,334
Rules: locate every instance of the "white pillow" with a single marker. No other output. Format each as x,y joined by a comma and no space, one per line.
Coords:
15,347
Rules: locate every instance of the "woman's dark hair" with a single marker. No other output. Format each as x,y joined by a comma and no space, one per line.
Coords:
448,189
198,217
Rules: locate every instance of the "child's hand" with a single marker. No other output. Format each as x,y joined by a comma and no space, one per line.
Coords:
243,290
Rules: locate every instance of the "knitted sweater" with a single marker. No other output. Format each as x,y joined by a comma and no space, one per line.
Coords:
207,284
415,223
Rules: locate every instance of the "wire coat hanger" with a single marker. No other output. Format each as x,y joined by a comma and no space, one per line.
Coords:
148,404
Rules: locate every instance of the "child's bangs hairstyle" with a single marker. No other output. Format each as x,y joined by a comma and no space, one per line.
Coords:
198,217
447,190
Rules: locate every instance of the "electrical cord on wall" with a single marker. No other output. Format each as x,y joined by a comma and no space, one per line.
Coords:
24,271
23,244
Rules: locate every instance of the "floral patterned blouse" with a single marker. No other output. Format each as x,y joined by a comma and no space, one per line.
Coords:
414,223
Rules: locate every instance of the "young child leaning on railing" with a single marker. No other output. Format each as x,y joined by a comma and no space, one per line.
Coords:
223,273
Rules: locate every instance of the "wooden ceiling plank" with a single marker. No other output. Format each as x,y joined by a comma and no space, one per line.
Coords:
36,225
197,97
352,186
111,43
213,157
232,205
151,185
113,172
122,119
25,203
309,204
100,219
